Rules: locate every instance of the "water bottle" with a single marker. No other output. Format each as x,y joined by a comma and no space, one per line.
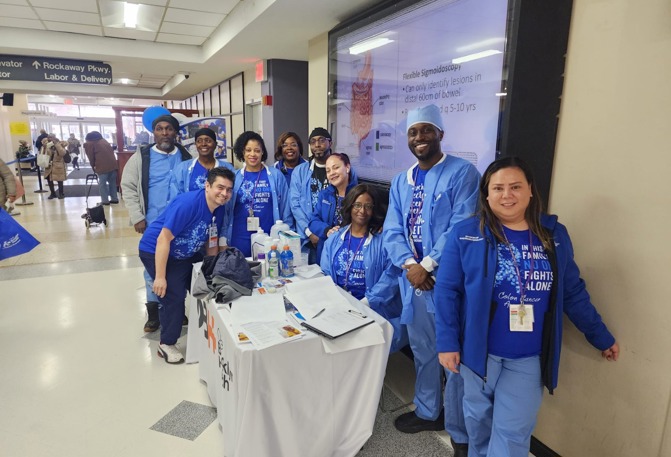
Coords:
286,262
257,241
278,227
264,265
273,263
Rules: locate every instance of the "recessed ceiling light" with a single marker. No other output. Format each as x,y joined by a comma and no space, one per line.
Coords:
130,11
124,81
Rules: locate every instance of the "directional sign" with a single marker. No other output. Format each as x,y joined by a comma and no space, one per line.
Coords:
46,69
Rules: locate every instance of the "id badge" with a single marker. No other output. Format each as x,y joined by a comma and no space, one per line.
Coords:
213,237
521,318
252,224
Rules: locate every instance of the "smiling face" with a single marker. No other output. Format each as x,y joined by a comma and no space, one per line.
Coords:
253,155
205,146
290,150
337,172
424,142
508,196
165,136
362,210
220,192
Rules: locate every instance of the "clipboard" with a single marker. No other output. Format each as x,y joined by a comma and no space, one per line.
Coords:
335,324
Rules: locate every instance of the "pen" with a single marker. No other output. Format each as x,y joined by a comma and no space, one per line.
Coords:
356,313
319,313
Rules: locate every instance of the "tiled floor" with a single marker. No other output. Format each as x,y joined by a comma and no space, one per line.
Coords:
79,377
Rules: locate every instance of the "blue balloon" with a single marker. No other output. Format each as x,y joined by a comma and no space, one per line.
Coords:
152,113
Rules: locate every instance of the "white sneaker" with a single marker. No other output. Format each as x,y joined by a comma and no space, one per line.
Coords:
170,353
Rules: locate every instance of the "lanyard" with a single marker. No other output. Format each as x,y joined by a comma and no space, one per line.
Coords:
413,217
351,260
517,268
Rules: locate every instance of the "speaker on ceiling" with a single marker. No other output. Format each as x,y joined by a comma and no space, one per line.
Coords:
8,99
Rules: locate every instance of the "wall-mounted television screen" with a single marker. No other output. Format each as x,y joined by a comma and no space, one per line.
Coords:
409,54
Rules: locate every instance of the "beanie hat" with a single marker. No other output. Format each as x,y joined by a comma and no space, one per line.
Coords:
166,118
207,132
320,131
429,114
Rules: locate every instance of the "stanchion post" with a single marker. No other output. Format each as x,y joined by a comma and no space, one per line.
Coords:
23,197
39,178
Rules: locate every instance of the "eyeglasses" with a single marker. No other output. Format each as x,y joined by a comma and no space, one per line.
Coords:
320,140
290,145
359,206
427,130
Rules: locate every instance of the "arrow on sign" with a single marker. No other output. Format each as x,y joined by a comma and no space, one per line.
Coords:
36,64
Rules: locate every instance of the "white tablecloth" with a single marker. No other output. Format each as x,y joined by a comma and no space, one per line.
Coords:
287,400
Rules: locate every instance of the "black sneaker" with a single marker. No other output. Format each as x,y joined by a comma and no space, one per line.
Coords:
460,449
411,423
151,326
114,202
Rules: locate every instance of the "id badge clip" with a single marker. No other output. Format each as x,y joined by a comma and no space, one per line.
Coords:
521,318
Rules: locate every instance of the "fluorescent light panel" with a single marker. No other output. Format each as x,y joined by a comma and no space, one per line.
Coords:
369,44
476,56
130,11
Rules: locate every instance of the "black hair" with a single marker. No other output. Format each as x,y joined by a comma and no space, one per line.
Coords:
221,172
284,137
241,142
377,219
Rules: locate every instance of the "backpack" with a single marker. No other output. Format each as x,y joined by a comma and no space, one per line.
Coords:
67,158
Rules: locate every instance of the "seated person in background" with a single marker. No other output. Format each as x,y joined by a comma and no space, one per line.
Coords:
260,196
356,260
192,174
327,216
171,245
289,154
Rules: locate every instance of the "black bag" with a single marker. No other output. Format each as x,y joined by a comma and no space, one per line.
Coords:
67,158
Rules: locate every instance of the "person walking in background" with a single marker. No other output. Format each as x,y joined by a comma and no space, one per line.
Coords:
424,204
288,154
147,187
57,170
38,141
103,162
499,309
73,149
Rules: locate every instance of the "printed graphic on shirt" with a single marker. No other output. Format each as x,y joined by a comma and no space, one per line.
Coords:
415,219
256,194
534,268
318,182
187,244
349,267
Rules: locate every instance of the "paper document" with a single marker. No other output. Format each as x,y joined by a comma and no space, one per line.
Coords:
335,323
314,295
266,334
257,308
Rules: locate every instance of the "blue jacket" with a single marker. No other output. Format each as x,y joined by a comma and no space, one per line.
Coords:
287,174
382,291
451,188
323,216
299,196
184,170
464,297
280,194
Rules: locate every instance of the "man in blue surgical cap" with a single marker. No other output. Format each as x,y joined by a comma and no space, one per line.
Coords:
425,202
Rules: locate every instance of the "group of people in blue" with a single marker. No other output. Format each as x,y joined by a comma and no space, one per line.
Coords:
471,273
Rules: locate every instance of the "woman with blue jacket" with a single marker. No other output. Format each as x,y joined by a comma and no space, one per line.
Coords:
260,195
499,309
192,174
328,215
356,260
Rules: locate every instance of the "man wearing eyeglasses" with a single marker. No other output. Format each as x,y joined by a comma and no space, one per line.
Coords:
307,181
424,204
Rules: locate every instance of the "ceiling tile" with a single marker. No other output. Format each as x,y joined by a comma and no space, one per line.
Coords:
23,12
74,28
132,34
21,23
180,39
193,17
73,5
15,2
148,18
75,17
154,2
212,6
169,27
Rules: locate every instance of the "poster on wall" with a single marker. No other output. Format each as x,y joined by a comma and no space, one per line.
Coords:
190,126
443,52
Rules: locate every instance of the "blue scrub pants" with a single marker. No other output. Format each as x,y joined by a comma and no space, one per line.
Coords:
428,371
171,306
501,412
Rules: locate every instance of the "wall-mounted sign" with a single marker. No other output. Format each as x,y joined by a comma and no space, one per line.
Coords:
47,69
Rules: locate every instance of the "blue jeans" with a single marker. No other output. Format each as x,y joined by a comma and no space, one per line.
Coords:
501,412
107,186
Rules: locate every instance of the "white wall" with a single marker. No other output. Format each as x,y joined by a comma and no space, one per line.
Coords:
9,143
317,81
609,187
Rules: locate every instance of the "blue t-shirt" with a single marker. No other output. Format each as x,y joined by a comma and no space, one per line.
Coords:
254,192
349,266
160,181
415,219
198,177
536,272
188,218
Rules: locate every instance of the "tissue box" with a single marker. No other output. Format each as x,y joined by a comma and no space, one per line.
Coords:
293,240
